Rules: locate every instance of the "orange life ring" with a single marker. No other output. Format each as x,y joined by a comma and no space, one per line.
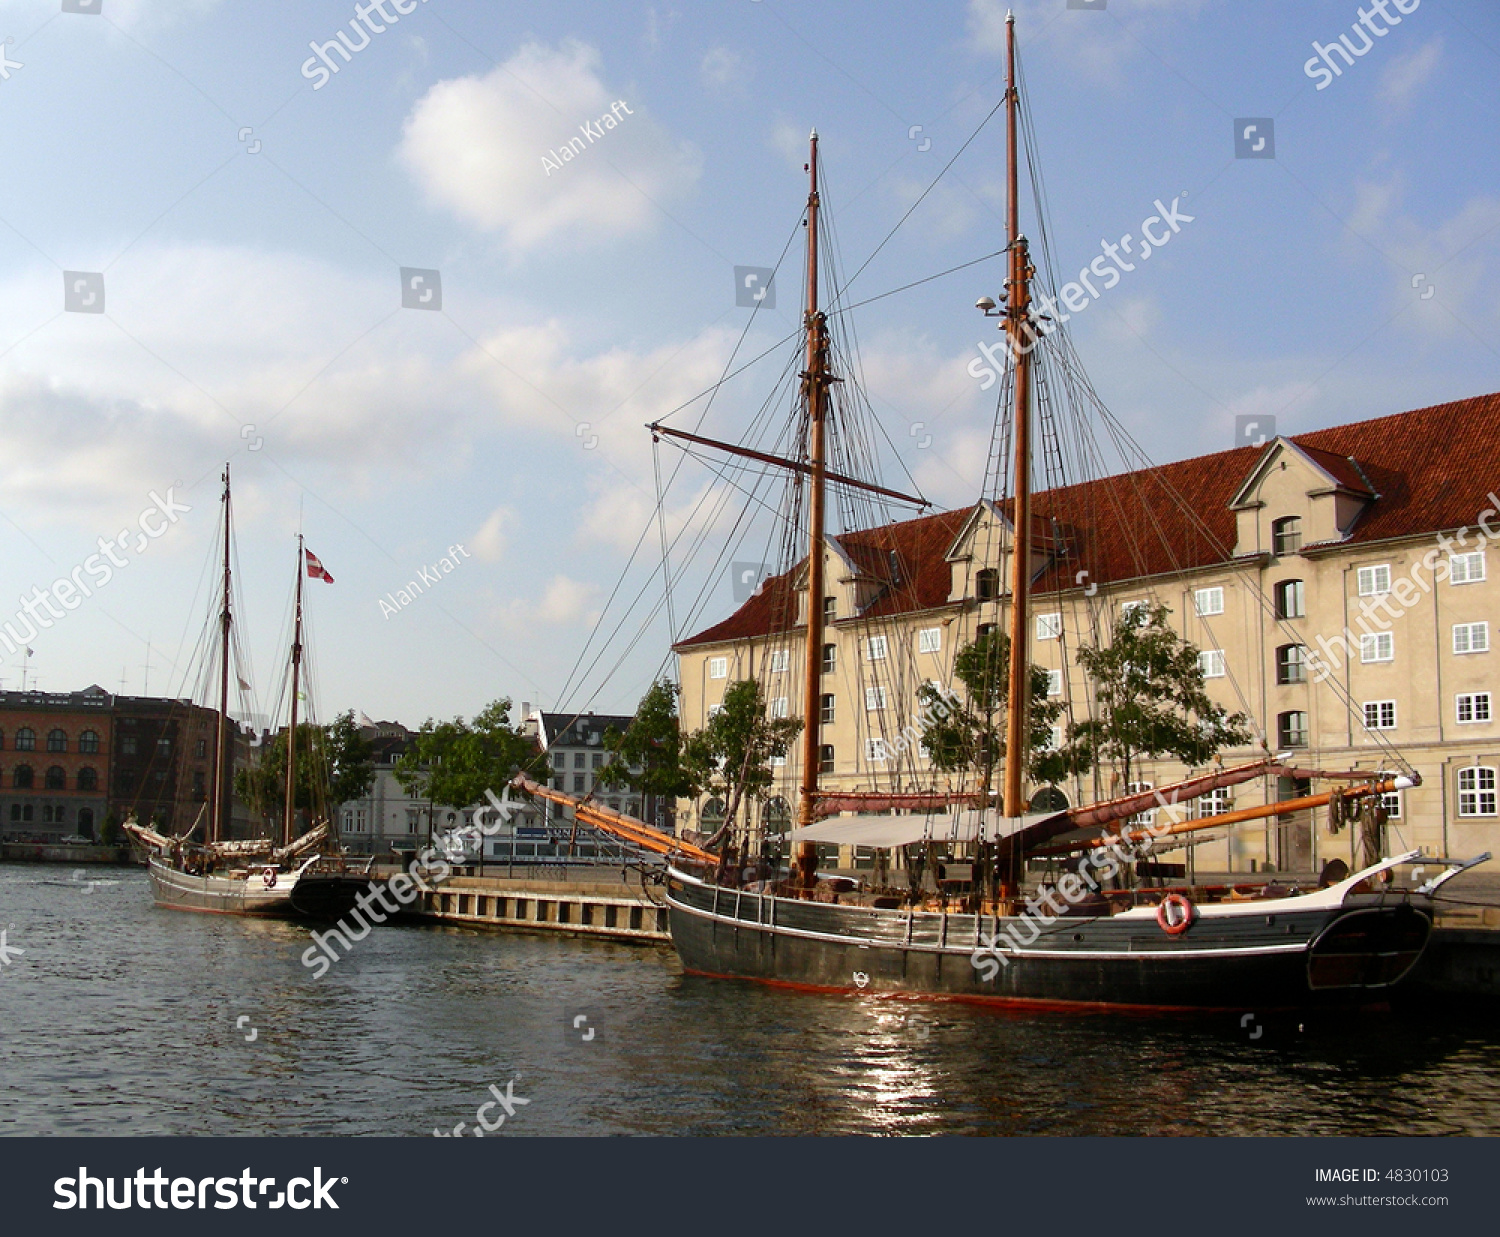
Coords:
1176,925
270,878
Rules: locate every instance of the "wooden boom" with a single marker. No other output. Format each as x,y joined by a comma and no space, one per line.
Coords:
636,832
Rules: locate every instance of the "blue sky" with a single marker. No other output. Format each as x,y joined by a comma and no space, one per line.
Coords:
250,231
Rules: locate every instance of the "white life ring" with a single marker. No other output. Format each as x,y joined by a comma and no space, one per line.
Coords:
1175,914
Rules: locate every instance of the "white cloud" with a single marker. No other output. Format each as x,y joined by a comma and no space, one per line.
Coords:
789,139
950,210
93,406
1445,271
122,12
490,541
477,147
1093,43
563,602
1405,75
722,69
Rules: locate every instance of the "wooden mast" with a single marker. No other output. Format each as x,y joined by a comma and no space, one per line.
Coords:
815,382
289,820
1018,302
217,817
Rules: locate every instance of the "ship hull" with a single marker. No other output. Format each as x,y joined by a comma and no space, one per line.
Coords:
1271,957
319,895
184,891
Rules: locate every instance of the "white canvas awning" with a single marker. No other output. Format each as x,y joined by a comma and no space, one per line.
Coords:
884,832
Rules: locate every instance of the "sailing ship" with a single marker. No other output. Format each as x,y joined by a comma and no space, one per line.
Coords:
286,876
1251,944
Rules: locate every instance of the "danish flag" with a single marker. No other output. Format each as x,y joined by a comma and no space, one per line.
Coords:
315,568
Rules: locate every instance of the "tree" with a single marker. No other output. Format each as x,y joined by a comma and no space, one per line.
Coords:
454,763
335,764
1149,699
731,756
648,756
351,760
969,734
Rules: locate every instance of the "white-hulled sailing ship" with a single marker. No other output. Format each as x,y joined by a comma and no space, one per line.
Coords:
1247,945
284,876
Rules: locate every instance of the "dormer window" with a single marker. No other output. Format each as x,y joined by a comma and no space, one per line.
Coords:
1286,536
830,609
987,584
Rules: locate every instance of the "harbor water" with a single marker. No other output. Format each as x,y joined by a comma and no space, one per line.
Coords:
117,1018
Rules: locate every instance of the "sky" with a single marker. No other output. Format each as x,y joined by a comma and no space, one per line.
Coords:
203,230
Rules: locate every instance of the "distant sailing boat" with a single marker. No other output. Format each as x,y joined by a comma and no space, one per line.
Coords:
1246,946
283,876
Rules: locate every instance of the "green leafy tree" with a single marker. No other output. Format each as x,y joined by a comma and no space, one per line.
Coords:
351,760
335,764
1149,700
968,734
731,756
649,757
454,763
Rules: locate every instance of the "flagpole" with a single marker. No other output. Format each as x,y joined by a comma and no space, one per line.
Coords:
289,823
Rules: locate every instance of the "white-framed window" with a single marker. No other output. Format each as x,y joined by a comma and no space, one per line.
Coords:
1140,818
1049,627
1373,581
874,699
778,762
1473,707
1380,715
1208,601
1377,646
1215,802
930,640
1391,802
877,648
875,751
922,750
780,660
715,709
1476,791
1127,608
778,706
1291,600
718,667
1211,662
1466,568
1054,682
1471,637
1054,738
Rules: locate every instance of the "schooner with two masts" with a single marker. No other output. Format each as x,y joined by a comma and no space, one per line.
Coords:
1240,947
288,875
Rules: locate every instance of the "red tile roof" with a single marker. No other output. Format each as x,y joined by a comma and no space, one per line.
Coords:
1425,470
